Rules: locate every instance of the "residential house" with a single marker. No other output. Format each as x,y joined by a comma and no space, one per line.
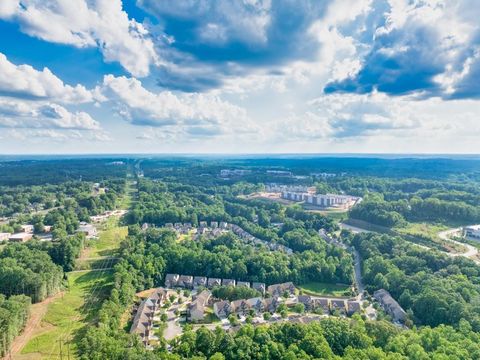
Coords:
281,289
256,304
145,226
142,322
196,309
158,297
199,281
307,301
214,224
20,237
89,230
271,304
171,280
185,281
391,306
27,228
223,225
240,306
338,304
353,307
222,309
322,303
4,236
203,224
260,287
212,282
228,282
243,283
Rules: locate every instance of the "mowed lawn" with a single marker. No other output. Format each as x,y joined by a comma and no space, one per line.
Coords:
67,316
319,289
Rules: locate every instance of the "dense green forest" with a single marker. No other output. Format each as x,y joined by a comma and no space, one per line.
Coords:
57,171
14,312
440,293
28,271
434,288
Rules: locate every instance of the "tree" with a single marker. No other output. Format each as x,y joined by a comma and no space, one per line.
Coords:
299,308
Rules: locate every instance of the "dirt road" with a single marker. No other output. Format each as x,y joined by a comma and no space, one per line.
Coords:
34,324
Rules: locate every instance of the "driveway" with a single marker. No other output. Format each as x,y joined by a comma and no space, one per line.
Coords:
173,327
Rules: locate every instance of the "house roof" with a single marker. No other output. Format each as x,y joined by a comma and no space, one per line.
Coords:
203,296
158,294
171,277
200,280
258,286
280,287
185,278
337,303
213,281
141,320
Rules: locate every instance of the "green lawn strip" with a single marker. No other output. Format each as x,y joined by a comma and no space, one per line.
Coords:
67,315
319,289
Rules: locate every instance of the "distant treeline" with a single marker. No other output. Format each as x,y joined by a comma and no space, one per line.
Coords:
35,172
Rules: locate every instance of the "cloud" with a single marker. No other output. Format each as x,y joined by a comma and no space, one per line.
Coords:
214,40
217,22
424,48
58,136
24,114
196,113
23,81
80,23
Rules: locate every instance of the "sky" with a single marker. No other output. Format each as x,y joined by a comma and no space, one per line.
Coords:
239,76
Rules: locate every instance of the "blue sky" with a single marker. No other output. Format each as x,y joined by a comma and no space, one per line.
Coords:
243,76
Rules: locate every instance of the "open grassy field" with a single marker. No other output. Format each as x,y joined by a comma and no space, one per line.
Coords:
66,316
419,233
126,201
319,289
111,235
430,230
334,214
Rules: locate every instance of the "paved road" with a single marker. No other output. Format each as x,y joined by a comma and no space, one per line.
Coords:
358,274
173,327
471,250
353,229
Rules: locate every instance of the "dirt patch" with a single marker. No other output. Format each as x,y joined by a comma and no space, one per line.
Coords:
34,324
146,293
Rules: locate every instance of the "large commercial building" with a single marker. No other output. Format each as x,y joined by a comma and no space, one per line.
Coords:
323,200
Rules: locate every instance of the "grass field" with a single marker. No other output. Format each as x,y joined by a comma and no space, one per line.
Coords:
319,288
430,230
111,234
67,316
126,201
336,215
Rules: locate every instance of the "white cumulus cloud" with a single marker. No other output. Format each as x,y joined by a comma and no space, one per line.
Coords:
193,113
81,23
23,81
25,114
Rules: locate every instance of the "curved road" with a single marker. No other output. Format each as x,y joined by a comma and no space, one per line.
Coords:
471,250
446,235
